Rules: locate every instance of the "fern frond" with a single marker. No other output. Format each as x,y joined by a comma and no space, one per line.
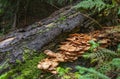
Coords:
91,4
112,65
91,73
104,68
116,62
94,6
101,55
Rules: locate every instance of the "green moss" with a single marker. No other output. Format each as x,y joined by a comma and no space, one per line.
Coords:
28,70
40,31
62,18
7,75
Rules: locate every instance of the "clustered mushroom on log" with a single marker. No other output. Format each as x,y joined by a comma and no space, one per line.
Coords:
75,46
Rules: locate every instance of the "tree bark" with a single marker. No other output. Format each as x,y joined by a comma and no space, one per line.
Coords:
37,35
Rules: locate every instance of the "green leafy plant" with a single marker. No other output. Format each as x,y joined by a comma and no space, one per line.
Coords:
28,70
24,70
109,67
90,73
115,63
100,72
96,5
6,75
82,73
65,73
93,45
101,55
101,10
62,18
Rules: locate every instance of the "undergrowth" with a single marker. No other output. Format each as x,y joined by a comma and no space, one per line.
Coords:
29,69
106,67
26,70
92,73
101,10
107,61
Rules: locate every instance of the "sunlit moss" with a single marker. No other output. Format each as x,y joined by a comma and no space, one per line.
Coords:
28,70
7,74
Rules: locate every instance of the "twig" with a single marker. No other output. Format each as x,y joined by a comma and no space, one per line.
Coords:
50,76
92,19
55,6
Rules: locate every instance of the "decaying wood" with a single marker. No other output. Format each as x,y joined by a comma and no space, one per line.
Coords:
76,45
38,34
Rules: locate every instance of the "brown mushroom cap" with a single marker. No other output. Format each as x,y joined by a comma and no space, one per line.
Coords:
73,48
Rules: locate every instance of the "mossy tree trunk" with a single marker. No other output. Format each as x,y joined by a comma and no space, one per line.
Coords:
37,35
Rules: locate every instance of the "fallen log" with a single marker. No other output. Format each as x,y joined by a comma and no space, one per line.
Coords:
38,34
